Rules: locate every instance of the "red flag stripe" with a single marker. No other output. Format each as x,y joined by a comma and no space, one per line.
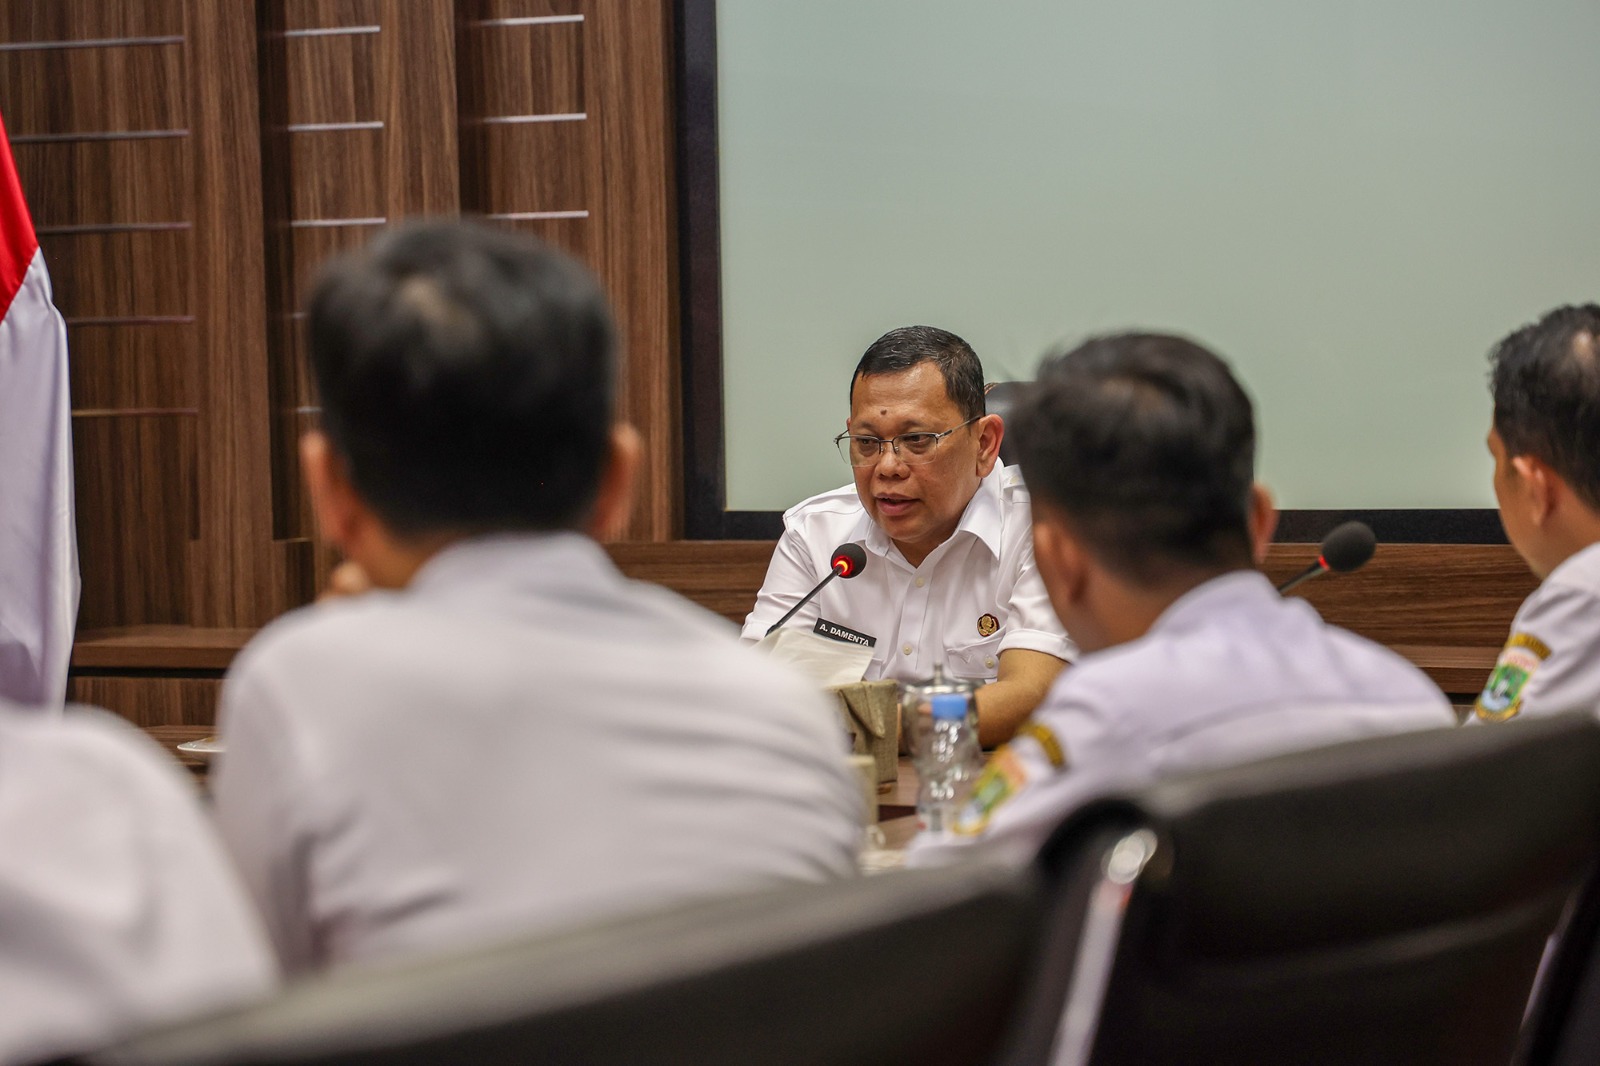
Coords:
17,240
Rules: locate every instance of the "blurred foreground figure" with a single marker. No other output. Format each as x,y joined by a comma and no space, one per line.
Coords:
1148,527
117,907
504,733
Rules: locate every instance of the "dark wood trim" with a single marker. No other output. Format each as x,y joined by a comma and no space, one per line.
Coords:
1433,526
1398,526
700,270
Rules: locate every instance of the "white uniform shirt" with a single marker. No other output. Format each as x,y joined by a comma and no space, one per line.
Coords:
975,596
1229,673
1551,661
118,908
521,738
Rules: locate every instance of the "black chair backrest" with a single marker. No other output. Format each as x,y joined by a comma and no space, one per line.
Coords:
918,966
1001,398
1386,900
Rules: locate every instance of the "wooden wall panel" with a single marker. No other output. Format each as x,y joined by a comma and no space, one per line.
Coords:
96,102
125,86
135,485
121,274
78,20
143,368
100,188
331,79
566,119
150,701
191,164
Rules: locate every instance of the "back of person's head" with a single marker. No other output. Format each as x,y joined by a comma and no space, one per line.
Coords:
1546,385
906,347
466,376
1145,445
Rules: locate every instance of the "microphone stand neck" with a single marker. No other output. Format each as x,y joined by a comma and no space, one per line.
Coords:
1318,567
833,573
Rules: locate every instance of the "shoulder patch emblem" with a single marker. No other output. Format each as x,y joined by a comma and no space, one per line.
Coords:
1004,777
988,625
1501,697
1001,779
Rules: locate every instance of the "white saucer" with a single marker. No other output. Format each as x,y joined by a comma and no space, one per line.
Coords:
204,748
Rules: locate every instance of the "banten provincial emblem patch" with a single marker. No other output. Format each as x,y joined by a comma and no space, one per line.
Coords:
1501,697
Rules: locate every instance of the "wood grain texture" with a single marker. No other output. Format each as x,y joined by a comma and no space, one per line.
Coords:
77,20
149,700
144,366
238,571
417,75
333,79
157,648
100,190
614,164
627,52
1417,594
91,90
136,504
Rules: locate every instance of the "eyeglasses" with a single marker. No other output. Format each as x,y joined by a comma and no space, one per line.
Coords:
912,449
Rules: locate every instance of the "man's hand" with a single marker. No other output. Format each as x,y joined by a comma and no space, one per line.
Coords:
1020,686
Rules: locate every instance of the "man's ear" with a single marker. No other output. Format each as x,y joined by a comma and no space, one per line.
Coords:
1263,521
339,512
991,431
613,503
1539,486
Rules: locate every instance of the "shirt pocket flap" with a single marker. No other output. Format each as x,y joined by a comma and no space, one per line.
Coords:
979,660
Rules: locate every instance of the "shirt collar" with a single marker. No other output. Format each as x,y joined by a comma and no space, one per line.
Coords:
982,518
508,561
1235,590
1576,561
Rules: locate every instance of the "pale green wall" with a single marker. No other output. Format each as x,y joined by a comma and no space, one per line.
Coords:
1350,200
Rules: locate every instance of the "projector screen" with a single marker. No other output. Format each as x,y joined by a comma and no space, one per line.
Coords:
1350,201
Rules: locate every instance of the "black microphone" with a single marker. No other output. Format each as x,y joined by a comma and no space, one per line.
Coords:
1345,549
848,561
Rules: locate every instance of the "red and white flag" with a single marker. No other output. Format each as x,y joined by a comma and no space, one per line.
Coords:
38,541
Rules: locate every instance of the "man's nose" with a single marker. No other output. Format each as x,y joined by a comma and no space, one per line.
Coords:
890,464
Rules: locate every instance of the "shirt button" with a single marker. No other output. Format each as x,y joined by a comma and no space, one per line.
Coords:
921,581
989,663
905,649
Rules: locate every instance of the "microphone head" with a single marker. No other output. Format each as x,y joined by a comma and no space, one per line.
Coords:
849,560
1348,547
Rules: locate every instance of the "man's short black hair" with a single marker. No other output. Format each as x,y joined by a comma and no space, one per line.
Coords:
903,348
1546,385
1146,444
466,378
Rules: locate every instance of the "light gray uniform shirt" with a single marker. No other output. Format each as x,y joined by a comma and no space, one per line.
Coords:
1551,661
1229,673
118,908
976,595
521,738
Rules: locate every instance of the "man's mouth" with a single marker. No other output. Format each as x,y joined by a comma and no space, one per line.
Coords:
891,506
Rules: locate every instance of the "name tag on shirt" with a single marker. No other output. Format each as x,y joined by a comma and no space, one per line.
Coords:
835,631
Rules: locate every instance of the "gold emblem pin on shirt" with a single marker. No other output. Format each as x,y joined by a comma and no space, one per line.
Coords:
988,625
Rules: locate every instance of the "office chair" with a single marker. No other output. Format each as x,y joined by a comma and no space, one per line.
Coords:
915,966
1381,901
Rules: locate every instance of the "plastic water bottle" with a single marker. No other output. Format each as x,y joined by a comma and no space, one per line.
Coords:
947,759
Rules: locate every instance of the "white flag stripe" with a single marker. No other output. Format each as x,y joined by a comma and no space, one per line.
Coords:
38,544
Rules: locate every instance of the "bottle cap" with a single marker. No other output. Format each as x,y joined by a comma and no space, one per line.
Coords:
949,705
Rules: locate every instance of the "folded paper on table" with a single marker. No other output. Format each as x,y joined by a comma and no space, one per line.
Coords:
871,711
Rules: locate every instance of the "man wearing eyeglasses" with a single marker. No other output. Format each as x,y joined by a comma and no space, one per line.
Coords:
950,579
